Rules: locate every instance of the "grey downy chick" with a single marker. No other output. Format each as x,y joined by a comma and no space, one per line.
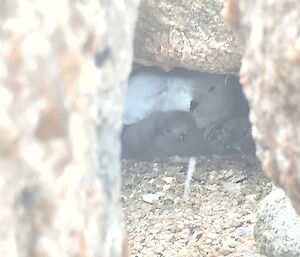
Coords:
174,128
156,135
162,134
180,136
195,144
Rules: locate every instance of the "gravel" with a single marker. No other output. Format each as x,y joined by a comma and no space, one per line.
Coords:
216,220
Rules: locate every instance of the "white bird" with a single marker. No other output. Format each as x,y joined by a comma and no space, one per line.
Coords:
152,90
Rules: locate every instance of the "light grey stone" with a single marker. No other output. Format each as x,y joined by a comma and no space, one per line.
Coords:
277,231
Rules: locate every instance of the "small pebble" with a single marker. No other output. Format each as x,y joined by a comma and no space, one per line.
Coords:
169,180
240,232
231,187
150,198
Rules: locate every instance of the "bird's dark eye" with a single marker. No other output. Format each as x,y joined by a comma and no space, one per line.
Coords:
193,105
211,89
182,136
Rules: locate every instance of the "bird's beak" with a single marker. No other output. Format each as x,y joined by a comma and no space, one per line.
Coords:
181,137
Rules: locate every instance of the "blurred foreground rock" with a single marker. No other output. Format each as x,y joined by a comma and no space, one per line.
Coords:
277,231
60,119
270,77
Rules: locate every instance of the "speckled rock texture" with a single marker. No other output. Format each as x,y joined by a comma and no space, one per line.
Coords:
60,119
270,77
277,231
188,34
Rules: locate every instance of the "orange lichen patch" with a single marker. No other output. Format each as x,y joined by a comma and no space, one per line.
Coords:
46,208
8,131
10,151
60,152
70,70
39,253
231,13
14,55
245,80
125,247
91,44
70,62
44,92
52,124
92,192
246,84
270,167
15,61
81,109
292,54
291,184
283,139
214,253
79,237
246,239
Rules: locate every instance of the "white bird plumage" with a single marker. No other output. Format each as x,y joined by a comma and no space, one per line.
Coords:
151,90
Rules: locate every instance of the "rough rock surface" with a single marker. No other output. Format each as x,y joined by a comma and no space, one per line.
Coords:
188,34
270,76
277,231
